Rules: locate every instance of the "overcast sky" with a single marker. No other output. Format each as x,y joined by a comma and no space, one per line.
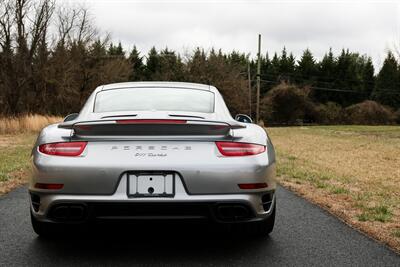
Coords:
367,27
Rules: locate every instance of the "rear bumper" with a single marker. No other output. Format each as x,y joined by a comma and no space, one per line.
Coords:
201,167
222,208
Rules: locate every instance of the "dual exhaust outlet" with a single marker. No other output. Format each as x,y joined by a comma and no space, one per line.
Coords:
78,212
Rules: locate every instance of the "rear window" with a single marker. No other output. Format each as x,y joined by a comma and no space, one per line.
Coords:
155,99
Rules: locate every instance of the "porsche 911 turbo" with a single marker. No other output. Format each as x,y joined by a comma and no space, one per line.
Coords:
153,151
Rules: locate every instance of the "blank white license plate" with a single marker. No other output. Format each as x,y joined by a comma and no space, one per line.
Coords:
149,185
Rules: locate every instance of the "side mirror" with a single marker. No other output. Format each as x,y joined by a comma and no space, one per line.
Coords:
71,117
243,118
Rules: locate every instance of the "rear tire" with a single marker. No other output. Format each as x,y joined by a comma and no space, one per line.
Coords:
258,229
42,229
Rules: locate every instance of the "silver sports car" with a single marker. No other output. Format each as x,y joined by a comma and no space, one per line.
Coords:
153,151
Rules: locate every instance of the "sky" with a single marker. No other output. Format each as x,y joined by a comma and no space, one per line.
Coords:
366,27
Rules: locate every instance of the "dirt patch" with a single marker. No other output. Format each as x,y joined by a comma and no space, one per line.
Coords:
18,178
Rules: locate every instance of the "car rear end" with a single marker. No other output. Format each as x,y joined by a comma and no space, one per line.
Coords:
152,167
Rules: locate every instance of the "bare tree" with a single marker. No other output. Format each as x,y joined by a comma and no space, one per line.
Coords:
66,20
6,21
43,13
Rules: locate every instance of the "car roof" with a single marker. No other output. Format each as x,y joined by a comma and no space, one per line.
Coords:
156,84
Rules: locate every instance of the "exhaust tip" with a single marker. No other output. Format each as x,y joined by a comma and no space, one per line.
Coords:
232,212
68,212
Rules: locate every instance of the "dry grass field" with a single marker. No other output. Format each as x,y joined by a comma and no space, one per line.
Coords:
352,171
26,124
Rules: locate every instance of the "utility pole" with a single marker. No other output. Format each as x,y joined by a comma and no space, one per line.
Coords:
258,79
249,79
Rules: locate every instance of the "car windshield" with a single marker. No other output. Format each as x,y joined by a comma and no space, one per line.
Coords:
155,99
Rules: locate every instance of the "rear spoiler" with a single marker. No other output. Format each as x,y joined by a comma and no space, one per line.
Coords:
150,127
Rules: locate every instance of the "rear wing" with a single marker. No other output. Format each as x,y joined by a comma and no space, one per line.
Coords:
150,127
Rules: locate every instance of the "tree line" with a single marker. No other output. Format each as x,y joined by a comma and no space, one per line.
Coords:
52,57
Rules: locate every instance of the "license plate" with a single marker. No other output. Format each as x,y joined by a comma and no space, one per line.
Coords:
149,185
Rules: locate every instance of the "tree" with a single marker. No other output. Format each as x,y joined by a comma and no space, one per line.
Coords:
286,65
348,79
387,89
196,67
116,50
286,103
306,68
152,65
368,78
327,73
171,66
137,66
266,73
275,67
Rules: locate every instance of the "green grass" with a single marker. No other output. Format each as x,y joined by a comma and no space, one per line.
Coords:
339,190
380,213
15,155
396,233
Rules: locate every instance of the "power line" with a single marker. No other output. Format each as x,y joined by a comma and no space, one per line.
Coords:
308,78
336,89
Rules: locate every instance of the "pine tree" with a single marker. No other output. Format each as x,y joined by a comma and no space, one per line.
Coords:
327,74
368,78
283,61
286,64
265,65
387,88
265,69
171,66
306,68
291,63
98,49
275,67
116,50
152,65
327,69
197,66
119,50
238,59
343,79
136,62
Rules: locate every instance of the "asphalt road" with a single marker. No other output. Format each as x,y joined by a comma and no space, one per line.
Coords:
304,235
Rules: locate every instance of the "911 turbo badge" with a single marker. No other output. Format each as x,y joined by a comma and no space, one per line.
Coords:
149,151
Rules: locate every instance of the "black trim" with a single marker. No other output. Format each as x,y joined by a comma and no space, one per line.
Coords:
119,116
155,210
185,116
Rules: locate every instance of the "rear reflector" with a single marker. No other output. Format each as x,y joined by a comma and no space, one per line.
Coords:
68,149
151,121
233,149
253,186
49,186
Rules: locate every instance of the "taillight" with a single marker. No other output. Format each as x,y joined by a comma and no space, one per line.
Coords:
68,149
233,149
